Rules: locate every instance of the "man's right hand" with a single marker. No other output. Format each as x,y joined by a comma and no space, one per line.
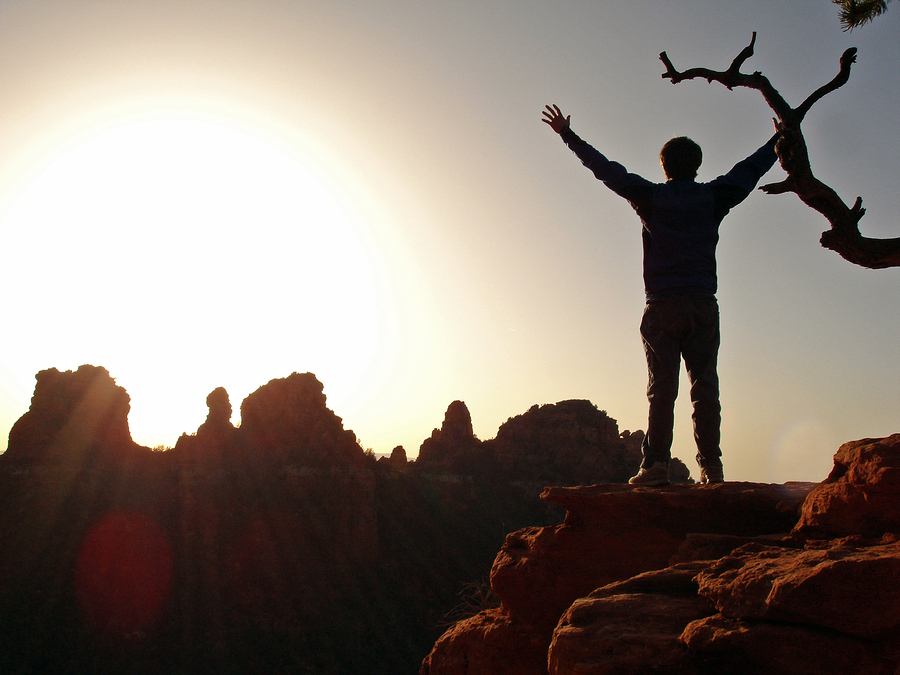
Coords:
554,117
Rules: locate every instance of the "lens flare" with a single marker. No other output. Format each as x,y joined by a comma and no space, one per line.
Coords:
123,575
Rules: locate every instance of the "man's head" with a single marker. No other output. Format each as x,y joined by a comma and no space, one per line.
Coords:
680,158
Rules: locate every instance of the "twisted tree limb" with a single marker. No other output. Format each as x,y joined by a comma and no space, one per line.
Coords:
844,236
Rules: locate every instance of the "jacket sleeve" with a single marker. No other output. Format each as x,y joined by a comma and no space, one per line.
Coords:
733,188
632,187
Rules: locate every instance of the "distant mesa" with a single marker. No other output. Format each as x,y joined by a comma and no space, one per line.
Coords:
273,541
284,422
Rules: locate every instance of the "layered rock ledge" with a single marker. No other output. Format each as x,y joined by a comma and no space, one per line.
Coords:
737,577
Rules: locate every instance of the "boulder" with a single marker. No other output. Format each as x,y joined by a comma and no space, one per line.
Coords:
489,642
847,586
630,627
860,496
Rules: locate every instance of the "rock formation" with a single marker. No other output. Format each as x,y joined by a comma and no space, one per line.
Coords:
74,416
860,494
633,624
287,421
216,441
679,473
398,460
737,578
218,420
566,443
453,448
282,542
286,546
611,533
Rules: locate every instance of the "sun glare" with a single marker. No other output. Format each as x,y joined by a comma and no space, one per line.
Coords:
184,253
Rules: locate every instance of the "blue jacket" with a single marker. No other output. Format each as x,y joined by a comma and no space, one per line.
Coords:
680,217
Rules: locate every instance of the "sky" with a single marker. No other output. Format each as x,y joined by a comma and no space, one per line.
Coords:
197,194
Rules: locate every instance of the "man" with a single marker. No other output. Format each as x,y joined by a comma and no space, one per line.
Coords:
680,221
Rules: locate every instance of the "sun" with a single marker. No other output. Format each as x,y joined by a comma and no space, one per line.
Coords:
184,252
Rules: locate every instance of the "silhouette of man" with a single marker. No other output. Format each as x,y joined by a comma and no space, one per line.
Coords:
680,220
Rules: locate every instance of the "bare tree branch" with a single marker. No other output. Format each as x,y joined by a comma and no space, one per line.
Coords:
844,236
848,58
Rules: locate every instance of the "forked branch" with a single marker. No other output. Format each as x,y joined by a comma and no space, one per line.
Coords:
844,236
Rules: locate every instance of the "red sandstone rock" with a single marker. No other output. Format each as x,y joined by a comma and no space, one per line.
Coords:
631,626
829,608
769,603
741,648
73,415
714,546
489,642
613,532
845,587
539,572
217,441
287,421
566,443
453,449
862,494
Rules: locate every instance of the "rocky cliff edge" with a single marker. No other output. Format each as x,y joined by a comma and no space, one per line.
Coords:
693,580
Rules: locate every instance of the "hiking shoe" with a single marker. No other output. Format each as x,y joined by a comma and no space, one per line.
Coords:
656,476
711,474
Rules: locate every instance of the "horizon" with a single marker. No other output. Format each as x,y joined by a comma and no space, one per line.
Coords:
198,194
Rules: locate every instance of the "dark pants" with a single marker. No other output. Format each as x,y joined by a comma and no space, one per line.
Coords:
676,327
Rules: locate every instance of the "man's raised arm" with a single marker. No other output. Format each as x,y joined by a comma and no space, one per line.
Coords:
630,186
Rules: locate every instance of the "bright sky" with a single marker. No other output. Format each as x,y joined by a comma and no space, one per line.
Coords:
197,194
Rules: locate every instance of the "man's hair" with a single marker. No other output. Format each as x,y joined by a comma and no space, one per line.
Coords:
680,158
